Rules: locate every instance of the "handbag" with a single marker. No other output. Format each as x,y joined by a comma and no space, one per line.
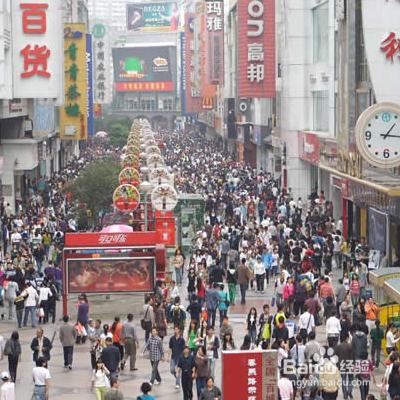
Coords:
40,312
143,321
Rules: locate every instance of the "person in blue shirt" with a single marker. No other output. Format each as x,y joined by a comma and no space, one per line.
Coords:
145,389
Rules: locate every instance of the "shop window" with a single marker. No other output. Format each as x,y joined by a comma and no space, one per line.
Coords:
320,110
321,33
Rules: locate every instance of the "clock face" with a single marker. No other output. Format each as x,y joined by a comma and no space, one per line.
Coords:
378,135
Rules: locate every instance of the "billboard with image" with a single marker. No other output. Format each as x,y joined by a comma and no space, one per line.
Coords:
104,275
158,17
144,68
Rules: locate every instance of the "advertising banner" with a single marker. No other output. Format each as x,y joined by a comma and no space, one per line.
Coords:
256,48
255,374
101,65
104,275
381,34
37,48
309,147
215,41
73,115
153,17
193,98
143,68
89,71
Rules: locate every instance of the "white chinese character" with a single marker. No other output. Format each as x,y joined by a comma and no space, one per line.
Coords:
210,23
251,362
251,381
252,390
217,24
252,398
255,72
214,7
255,52
252,372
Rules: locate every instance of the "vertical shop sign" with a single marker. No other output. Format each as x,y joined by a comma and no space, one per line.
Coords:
256,48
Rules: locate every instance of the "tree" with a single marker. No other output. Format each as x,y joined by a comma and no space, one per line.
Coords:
96,184
117,129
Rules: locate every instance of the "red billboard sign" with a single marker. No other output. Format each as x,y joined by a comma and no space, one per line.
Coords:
256,47
254,374
105,275
309,147
193,97
94,240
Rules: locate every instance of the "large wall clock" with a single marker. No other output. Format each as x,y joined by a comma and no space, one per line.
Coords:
378,135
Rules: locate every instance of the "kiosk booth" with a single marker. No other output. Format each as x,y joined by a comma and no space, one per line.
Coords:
112,263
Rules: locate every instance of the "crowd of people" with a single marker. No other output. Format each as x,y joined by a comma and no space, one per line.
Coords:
289,252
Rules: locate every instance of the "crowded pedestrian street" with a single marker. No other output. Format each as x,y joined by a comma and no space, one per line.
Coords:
199,200
249,265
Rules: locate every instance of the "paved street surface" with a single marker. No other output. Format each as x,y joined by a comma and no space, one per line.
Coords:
75,384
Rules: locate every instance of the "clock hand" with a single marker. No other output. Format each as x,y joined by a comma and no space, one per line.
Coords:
390,130
385,135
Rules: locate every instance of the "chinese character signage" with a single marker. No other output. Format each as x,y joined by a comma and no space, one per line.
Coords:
214,10
37,48
254,373
73,114
193,99
256,48
153,17
381,31
89,76
144,69
101,65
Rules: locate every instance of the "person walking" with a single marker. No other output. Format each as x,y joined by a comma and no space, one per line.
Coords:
131,343
19,303
12,350
114,393
186,368
41,379
82,317
201,364
212,344
111,357
116,329
212,301
145,388
41,346
155,348
11,294
231,278
7,391
178,262
148,320
244,275
377,335
67,338
100,381
31,298
176,346
210,392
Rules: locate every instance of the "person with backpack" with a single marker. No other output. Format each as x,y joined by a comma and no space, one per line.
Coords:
178,315
359,343
12,350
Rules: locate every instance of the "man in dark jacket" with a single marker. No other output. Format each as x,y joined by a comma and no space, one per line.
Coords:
244,275
111,358
360,343
212,300
41,346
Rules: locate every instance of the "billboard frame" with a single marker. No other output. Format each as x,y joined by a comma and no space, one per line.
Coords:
130,257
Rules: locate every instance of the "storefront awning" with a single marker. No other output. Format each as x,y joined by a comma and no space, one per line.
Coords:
391,186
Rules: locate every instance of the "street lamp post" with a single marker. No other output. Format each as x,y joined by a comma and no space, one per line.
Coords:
146,187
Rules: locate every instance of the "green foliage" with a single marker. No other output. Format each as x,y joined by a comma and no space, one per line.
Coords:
117,129
96,184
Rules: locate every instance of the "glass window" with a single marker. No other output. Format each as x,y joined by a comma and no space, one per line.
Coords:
321,33
320,110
